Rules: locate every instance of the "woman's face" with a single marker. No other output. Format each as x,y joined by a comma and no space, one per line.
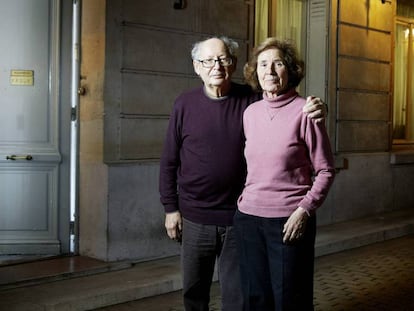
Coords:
272,73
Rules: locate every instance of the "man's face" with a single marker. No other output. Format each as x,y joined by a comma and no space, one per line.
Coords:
217,76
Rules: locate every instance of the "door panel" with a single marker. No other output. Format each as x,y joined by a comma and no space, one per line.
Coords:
148,63
30,158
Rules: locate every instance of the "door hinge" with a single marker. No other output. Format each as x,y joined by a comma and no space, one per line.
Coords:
72,228
73,114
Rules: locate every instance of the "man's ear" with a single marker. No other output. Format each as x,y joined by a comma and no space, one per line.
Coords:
196,66
234,65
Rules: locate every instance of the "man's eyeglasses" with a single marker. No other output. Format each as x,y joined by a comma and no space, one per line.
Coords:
211,62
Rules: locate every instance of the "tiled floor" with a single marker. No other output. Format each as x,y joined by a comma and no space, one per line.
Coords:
375,277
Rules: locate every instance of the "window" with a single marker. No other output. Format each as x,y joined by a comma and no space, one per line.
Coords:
403,110
284,19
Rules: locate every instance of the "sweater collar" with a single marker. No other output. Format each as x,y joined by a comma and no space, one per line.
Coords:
281,100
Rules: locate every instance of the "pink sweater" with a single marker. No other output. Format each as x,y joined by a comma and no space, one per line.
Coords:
289,158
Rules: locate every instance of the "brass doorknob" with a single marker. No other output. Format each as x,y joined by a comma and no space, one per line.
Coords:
81,90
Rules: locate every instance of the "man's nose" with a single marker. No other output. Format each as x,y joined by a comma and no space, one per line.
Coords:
217,63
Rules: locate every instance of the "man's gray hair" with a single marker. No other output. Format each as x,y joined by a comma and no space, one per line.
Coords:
231,45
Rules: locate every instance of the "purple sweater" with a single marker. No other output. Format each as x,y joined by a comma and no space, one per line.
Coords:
202,168
289,158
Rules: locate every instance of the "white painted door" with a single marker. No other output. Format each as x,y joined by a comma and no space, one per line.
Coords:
34,216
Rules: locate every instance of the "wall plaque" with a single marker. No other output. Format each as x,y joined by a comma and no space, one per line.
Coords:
22,77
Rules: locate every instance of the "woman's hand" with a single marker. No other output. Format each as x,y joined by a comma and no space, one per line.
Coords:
295,226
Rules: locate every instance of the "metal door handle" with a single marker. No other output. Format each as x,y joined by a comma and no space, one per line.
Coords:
14,157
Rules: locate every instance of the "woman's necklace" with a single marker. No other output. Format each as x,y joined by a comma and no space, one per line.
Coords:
271,112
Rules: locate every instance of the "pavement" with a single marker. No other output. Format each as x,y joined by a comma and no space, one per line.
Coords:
376,277
365,260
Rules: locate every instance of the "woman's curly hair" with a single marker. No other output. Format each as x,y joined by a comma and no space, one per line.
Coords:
290,58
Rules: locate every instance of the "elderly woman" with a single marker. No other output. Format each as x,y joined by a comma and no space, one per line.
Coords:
290,170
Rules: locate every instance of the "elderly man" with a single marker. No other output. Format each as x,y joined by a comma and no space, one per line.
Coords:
202,172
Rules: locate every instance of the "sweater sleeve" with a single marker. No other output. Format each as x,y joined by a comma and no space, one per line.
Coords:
322,160
170,163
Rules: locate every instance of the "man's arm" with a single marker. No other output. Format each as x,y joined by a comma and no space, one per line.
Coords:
315,108
169,164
